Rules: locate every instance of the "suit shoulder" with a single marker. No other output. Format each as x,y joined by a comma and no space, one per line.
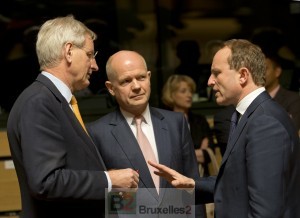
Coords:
273,111
166,113
102,120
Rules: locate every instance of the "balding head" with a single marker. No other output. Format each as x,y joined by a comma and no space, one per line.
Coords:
129,81
123,61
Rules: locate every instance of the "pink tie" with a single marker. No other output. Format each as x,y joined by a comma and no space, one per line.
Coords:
146,149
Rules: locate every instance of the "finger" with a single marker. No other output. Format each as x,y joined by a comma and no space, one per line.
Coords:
153,164
161,174
134,185
135,189
165,176
136,179
166,170
157,165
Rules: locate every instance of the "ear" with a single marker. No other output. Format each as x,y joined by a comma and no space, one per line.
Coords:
243,75
68,52
109,86
149,75
278,71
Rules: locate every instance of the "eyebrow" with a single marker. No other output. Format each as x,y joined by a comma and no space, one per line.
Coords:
215,70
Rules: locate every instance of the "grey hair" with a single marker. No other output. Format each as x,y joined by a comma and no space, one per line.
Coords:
54,34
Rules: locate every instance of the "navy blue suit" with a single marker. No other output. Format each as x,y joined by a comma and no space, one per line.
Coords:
119,148
259,173
59,169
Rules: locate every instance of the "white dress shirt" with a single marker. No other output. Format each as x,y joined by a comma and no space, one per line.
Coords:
247,100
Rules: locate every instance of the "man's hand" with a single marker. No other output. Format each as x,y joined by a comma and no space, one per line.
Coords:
176,179
124,178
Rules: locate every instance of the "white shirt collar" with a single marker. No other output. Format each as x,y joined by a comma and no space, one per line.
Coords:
247,100
129,116
60,85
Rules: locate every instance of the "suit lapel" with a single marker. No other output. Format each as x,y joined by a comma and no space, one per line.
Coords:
90,148
160,133
232,141
128,143
162,142
252,107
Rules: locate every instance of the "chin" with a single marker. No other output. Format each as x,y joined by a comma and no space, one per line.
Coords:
218,101
139,103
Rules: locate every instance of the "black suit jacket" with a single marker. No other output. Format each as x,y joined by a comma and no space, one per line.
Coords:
259,174
59,169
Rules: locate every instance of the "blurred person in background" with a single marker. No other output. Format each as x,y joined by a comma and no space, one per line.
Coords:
177,95
288,99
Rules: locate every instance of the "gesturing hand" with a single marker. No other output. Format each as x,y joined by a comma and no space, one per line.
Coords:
176,179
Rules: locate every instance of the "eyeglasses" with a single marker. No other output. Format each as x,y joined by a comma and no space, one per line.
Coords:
89,54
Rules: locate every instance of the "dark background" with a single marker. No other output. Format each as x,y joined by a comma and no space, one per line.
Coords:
151,27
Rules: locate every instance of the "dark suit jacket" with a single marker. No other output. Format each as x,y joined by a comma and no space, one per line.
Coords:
119,148
259,173
59,169
290,101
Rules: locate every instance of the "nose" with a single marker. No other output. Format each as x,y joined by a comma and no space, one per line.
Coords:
211,80
94,65
135,84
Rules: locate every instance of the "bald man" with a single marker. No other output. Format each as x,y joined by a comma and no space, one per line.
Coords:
167,131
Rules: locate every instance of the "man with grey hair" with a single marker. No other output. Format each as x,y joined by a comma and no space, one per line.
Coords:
60,172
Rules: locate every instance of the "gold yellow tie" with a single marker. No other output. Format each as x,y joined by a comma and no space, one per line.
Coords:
76,111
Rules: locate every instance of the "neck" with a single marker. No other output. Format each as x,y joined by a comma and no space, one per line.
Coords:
134,111
247,90
57,72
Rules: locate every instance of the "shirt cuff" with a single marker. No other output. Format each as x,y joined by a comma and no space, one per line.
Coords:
108,182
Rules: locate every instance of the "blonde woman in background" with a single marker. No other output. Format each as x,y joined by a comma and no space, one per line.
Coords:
177,96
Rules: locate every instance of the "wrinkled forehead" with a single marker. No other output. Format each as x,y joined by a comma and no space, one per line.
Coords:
130,62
